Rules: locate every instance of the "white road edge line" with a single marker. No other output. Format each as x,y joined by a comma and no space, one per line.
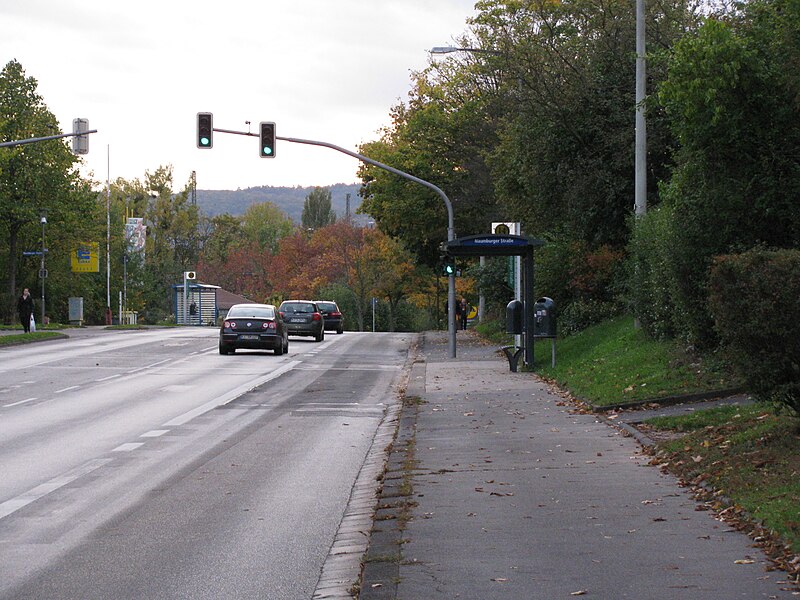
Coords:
154,433
66,389
109,377
150,366
129,447
230,396
14,504
20,402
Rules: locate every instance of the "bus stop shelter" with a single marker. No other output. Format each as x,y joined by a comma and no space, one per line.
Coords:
491,244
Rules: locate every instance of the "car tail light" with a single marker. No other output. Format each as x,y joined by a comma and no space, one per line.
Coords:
283,316
316,317
230,325
268,325
336,314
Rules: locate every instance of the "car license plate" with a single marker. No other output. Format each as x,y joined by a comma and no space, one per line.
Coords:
297,320
248,337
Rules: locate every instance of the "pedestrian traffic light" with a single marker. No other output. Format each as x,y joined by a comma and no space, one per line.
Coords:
205,130
448,266
267,147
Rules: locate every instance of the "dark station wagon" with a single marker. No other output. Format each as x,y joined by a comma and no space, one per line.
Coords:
303,317
253,326
334,319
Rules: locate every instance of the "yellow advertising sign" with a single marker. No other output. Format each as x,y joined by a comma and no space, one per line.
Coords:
86,258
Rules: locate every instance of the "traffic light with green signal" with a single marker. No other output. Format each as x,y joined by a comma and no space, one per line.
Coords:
205,130
267,138
448,266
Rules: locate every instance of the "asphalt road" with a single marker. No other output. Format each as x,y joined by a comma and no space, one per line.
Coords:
143,464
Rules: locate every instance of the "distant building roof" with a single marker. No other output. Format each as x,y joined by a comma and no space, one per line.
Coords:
226,299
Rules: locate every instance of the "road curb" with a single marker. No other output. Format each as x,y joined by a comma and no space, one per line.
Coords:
341,572
668,400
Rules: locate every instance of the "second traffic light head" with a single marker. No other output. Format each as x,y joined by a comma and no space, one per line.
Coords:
205,130
267,137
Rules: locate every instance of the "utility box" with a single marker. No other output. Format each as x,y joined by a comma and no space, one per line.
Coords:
76,311
544,318
515,317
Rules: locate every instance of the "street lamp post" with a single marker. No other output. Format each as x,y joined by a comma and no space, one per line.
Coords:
43,270
640,176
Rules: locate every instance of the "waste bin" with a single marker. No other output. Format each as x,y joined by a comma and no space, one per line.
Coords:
544,318
514,317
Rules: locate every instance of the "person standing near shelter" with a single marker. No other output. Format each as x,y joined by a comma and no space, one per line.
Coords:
25,309
464,313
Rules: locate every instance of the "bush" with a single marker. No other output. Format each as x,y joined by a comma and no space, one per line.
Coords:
649,273
580,314
753,298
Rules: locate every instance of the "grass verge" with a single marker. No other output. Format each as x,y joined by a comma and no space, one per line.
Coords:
614,362
36,336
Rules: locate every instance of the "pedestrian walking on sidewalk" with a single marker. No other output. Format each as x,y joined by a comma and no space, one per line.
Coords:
25,308
464,313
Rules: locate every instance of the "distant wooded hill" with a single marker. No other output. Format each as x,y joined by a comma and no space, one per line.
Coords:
288,199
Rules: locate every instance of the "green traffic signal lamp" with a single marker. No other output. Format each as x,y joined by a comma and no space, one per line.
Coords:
267,137
205,130
449,266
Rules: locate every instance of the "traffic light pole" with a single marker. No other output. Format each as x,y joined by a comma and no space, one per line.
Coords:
451,235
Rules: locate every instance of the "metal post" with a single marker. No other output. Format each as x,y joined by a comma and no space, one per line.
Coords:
125,281
108,228
527,299
43,271
640,187
481,298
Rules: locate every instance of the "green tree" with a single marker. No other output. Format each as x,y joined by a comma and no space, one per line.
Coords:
265,224
317,211
566,153
218,236
442,136
34,179
172,241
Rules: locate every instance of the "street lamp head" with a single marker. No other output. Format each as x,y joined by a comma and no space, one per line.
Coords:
449,49
43,220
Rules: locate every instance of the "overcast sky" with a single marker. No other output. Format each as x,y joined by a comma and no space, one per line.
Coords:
326,70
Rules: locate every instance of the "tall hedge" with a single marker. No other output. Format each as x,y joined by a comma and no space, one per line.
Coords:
754,298
731,97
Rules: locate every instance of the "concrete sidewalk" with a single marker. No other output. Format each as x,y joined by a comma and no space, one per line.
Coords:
515,495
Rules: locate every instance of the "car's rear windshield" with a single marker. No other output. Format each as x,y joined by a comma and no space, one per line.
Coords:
326,305
251,312
298,307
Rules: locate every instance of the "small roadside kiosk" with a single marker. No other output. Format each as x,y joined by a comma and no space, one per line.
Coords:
201,303
507,245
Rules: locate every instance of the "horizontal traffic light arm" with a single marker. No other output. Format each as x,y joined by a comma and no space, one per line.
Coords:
43,139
